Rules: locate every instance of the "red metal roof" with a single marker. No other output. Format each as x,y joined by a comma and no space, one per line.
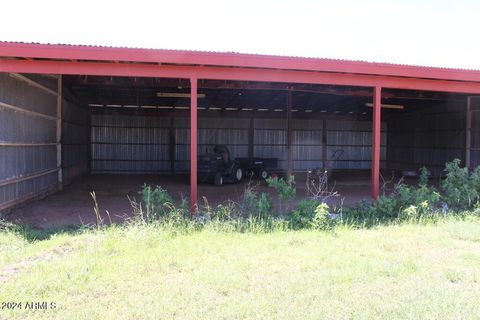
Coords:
228,59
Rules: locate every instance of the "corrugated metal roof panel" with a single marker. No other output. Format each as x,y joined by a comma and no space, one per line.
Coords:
232,59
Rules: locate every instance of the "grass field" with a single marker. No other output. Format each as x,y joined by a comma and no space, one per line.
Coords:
409,271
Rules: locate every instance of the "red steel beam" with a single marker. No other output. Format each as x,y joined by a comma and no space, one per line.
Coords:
289,134
468,132
376,141
234,74
193,146
75,52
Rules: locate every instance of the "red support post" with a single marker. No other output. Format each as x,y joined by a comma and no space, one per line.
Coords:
376,143
193,145
289,134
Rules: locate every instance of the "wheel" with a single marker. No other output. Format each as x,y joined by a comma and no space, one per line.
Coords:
218,179
237,174
264,174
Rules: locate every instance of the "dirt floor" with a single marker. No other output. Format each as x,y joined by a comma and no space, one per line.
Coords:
74,205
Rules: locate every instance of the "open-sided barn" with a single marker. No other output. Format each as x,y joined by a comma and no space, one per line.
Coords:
67,111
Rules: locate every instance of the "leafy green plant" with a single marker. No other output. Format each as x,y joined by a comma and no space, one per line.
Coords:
413,212
461,189
255,205
309,213
158,202
423,180
405,202
225,212
384,207
264,206
358,212
321,220
303,214
286,190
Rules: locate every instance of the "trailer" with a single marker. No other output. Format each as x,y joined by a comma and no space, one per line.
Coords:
258,167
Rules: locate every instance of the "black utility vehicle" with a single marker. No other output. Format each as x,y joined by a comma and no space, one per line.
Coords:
219,168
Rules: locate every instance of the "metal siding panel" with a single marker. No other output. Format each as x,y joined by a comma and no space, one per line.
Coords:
130,144
307,137
23,128
307,124
270,137
19,93
270,124
223,123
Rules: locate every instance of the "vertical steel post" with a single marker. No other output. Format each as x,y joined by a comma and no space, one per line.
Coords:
324,144
289,134
59,133
172,142
251,138
468,132
376,136
193,145
88,133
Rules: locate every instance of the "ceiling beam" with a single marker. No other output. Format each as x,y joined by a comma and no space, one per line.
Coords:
83,83
237,74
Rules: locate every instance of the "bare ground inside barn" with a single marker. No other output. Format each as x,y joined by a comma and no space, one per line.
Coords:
74,205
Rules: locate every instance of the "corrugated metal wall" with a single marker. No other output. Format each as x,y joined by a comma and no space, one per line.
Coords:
349,144
28,157
140,144
75,144
428,137
475,132
28,138
270,140
124,144
134,144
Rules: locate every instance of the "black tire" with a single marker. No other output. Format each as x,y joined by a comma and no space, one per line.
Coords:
263,174
218,180
237,174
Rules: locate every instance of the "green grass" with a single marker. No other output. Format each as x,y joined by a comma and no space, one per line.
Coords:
408,271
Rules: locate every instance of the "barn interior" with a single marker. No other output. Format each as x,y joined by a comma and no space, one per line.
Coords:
120,132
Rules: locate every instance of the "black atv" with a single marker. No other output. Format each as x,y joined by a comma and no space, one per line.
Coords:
217,167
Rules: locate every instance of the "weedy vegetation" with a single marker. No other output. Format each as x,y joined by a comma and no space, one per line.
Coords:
411,254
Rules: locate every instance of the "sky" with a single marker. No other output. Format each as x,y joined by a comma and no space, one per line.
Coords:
440,33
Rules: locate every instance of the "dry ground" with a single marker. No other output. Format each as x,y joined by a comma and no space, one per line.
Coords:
74,204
